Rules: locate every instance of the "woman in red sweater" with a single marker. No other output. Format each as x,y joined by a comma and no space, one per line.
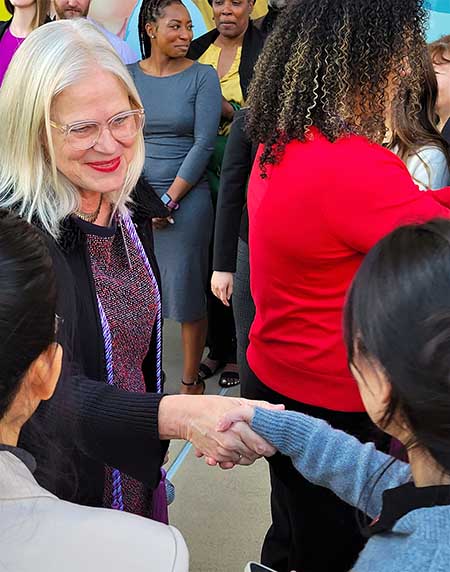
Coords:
323,191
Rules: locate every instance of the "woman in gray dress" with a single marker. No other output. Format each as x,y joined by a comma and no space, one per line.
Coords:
182,100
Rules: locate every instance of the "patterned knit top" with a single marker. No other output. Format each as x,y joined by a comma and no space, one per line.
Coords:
125,291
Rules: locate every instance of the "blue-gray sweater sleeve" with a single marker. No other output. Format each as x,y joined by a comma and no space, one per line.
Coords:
331,458
208,106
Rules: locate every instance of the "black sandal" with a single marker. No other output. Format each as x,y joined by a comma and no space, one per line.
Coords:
194,383
229,379
205,372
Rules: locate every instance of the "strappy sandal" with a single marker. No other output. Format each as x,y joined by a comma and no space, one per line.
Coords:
205,372
229,379
194,384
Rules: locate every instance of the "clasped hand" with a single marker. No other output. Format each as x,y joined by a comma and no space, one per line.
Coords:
220,432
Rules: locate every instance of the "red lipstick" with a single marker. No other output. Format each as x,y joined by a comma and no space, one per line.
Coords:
106,166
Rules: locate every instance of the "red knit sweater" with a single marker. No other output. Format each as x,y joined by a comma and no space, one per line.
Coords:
311,222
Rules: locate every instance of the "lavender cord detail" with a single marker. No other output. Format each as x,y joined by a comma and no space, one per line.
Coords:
128,223
117,495
159,501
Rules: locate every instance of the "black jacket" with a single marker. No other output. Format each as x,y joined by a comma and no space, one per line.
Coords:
3,27
231,213
88,424
251,47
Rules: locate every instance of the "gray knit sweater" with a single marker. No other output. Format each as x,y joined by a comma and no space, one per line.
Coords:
418,542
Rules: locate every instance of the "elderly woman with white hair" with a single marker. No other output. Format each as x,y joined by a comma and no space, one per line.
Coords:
72,152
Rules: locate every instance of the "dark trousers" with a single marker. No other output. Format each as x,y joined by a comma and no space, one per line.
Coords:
221,337
243,305
312,529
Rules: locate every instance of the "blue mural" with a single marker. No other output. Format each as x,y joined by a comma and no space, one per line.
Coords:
439,21
439,18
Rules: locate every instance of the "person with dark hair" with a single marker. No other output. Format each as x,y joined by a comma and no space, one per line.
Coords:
231,272
397,337
440,55
72,152
322,192
231,276
37,530
182,99
26,16
232,48
412,133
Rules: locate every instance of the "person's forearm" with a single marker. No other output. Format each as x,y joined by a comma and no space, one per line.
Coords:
327,457
173,416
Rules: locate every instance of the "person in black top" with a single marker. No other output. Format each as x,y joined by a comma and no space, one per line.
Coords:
75,183
232,49
231,273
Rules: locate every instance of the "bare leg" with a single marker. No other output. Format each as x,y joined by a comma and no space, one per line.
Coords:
193,335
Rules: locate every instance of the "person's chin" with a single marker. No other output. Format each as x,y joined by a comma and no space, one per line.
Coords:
107,182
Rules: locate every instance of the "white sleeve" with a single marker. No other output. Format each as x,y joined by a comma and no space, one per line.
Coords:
429,168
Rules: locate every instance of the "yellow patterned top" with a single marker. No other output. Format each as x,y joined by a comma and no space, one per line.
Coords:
230,83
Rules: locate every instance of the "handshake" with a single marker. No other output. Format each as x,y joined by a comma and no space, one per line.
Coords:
218,427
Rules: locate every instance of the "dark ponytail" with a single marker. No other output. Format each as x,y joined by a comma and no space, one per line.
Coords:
151,11
398,315
27,302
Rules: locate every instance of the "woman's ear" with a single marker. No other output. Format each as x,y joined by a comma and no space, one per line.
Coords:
150,29
44,372
251,5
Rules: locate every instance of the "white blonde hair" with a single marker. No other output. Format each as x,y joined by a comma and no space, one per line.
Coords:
52,58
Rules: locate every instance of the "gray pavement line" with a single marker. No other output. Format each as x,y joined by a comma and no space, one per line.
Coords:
178,461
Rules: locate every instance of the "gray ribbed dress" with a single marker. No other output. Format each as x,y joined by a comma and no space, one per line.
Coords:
182,116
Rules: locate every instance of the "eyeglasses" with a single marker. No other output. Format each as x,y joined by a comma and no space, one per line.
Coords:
83,135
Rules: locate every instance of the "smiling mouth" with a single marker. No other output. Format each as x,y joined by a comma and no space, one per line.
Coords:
106,166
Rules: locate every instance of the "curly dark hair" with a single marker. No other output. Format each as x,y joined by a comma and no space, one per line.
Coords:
333,64
151,11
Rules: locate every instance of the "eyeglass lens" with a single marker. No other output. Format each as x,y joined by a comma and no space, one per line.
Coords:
123,128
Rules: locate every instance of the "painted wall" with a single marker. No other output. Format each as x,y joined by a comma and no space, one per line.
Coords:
120,16
440,18
4,14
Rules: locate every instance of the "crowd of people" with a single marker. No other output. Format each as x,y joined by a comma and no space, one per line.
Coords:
279,187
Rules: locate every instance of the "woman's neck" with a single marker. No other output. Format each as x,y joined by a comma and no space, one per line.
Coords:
9,432
90,202
158,64
22,21
425,471
225,42
443,118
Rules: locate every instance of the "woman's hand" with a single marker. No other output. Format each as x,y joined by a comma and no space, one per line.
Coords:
222,286
160,223
227,110
244,413
195,419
